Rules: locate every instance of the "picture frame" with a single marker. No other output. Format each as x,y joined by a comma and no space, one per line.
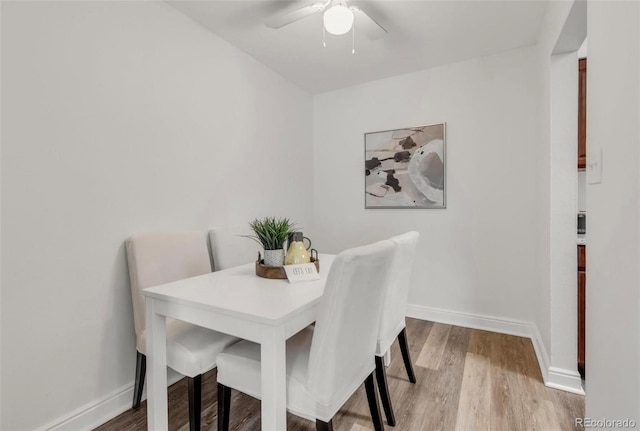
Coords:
406,168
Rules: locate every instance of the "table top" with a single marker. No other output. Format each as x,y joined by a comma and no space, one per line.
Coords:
240,292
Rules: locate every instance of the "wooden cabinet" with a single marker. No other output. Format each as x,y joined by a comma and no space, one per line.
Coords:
582,250
582,280
582,113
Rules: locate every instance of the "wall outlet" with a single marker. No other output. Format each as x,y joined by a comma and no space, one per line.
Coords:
594,166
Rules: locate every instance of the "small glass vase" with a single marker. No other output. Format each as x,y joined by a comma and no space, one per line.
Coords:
274,257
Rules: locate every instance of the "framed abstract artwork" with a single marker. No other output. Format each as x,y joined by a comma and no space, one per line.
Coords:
405,168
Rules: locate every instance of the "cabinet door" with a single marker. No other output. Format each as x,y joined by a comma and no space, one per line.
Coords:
582,281
582,113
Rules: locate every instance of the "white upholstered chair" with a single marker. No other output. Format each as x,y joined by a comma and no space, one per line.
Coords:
230,249
191,350
327,364
392,323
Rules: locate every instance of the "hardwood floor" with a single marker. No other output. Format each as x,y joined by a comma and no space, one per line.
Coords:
468,380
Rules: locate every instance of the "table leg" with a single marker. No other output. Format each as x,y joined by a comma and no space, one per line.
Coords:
387,358
274,379
157,410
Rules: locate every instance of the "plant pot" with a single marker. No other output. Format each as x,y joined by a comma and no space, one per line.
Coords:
274,257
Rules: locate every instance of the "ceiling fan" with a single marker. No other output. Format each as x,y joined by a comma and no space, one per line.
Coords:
338,18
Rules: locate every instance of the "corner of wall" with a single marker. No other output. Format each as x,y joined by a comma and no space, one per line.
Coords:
554,377
555,16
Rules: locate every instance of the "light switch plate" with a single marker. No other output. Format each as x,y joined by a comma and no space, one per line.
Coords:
594,166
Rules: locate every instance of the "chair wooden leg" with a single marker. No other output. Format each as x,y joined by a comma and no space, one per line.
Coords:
374,406
195,402
141,371
383,388
404,348
224,407
324,426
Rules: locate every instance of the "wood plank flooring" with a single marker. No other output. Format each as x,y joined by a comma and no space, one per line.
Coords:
468,380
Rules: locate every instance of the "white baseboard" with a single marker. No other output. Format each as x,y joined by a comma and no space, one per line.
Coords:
541,353
565,380
554,377
97,412
557,378
470,320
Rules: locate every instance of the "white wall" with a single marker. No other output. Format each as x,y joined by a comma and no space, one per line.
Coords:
555,304
582,52
613,251
0,219
563,204
556,14
119,118
478,255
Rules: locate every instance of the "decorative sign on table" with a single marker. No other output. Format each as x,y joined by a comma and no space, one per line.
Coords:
405,168
278,272
301,272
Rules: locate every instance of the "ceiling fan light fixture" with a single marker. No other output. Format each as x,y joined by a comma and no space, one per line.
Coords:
338,19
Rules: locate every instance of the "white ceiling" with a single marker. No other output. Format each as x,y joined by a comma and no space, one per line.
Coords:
421,34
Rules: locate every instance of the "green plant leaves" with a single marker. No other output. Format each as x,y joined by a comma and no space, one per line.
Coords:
271,232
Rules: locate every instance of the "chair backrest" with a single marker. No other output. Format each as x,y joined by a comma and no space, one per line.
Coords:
344,339
395,304
161,258
230,249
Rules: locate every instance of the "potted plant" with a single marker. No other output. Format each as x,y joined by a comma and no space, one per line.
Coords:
271,233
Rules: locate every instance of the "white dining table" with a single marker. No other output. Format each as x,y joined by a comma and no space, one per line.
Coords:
237,302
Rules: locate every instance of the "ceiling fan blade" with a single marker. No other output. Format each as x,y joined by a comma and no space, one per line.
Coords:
294,15
368,25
